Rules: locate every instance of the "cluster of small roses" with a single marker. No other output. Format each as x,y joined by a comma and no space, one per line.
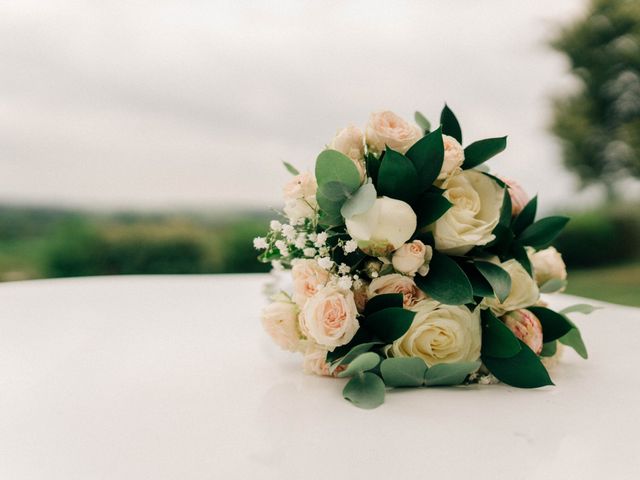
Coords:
403,246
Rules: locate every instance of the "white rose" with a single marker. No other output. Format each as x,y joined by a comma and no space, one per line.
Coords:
350,141
330,317
412,258
308,277
524,291
453,157
300,197
387,128
280,321
525,326
384,227
441,334
396,283
519,197
548,265
477,200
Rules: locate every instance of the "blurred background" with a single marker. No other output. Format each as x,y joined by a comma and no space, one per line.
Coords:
146,137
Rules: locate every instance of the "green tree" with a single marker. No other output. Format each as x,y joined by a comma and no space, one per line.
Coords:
599,125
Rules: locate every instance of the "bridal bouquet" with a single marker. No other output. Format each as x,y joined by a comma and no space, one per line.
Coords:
413,266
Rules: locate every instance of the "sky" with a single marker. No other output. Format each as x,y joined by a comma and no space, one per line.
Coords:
194,104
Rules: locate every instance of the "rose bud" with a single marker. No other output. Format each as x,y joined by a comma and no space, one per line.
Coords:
526,326
519,198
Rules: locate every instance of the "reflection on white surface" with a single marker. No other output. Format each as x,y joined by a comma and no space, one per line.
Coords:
172,377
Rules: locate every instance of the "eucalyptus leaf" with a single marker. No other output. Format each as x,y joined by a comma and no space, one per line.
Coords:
361,363
541,233
526,216
497,277
365,390
524,370
397,177
335,191
446,282
584,308
403,371
389,324
553,285
554,325
333,166
443,374
422,122
497,340
290,168
574,340
353,353
361,201
450,124
482,150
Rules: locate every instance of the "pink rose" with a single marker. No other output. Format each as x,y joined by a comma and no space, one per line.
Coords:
412,258
350,142
300,196
519,197
396,283
453,157
280,321
387,128
526,326
315,361
308,277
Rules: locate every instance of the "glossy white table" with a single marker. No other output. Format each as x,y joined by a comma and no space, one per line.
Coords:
172,378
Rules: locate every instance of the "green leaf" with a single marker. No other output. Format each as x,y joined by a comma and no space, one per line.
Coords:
389,324
543,232
348,355
524,370
450,125
446,282
430,207
427,155
526,216
380,302
497,277
553,324
361,201
397,177
553,285
584,308
520,254
333,166
335,191
505,210
290,168
497,340
574,340
495,179
479,285
443,374
361,363
403,371
482,150
549,349
373,166
422,122
365,390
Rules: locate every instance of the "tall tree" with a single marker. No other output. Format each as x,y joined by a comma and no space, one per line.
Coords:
599,125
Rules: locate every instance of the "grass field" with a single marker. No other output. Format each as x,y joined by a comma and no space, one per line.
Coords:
615,284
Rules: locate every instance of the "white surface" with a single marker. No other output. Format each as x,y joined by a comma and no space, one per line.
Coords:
172,378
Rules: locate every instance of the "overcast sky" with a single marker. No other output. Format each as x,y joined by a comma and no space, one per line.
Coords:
176,103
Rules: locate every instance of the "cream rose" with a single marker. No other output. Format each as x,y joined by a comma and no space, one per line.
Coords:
350,141
280,321
387,128
441,334
526,326
330,317
519,198
453,157
396,283
308,277
477,200
384,227
300,196
548,265
524,291
412,258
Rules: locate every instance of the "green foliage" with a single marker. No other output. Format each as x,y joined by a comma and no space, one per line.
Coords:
524,370
361,201
397,177
444,374
497,340
403,372
599,125
427,155
290,168
541,233
430,207
389,324
450,124
554,325
362,363
446,282
365,390
497,277
422,122
482,150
